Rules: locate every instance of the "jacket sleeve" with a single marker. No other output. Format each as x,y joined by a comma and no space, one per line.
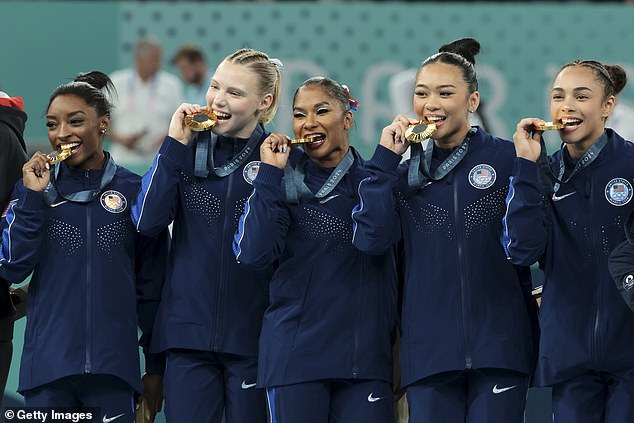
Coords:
525,224
12,159
376,222
155,206
150,270
262,228
22,228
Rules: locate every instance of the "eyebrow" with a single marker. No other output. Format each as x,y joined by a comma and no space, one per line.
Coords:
315,106
71,114
438,87
577,89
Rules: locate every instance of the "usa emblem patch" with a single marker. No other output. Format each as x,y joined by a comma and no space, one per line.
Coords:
482,176
113,201
618,192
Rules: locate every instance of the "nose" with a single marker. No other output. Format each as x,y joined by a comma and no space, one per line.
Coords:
64,131
432,104
218,99
311,121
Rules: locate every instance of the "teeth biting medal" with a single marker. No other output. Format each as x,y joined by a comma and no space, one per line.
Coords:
419,132
308,139
62,154
549,126
201,121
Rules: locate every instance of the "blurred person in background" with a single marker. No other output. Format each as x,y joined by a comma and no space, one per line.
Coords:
147,97
12,158
190,61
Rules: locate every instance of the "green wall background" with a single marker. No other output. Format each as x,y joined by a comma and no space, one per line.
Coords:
360,44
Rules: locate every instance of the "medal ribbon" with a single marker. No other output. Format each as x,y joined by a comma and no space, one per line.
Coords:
296,188
417,175
552,183
51,193
204,160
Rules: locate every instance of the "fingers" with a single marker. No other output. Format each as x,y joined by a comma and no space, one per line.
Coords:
38,165
277,143
527,126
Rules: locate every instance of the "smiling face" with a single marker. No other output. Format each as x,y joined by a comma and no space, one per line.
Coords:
578,96
234,97
317,113
442,96
70,120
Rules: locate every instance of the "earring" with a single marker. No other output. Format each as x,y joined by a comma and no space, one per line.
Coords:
102,131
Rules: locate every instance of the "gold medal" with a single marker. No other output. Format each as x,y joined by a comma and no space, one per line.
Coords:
61,154
309,139
202,121
419,132
549,126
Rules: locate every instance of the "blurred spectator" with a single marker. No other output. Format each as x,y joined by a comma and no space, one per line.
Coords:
12,157
621,119
190,61
147,97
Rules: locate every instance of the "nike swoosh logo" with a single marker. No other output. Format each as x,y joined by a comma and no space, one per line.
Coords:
108,420
246,385
561,197
497,390
59,204
373,399
325,200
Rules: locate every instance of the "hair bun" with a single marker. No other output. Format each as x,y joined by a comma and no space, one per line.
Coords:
465,47
97,79
618,76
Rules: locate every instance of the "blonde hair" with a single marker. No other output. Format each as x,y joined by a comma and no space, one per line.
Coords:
269,75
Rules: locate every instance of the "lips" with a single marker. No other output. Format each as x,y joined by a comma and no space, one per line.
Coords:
435,119
316,138
73,146
571,122
222,115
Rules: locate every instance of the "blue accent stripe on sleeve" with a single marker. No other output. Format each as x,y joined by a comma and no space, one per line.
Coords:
5,251
506,238
145,190
357,209
237,250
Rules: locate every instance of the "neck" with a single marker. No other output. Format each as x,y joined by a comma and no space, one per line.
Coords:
332,160
578,149
96,162
453,140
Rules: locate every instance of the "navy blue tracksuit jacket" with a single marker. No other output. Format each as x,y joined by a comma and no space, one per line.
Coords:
332,308
585,323
465,306
93,277
210,303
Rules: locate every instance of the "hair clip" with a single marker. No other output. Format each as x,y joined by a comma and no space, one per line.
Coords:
277,62
354,104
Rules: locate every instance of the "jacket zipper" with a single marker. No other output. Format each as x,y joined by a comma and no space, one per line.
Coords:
221,274
88,364
355,364
596,354
463,294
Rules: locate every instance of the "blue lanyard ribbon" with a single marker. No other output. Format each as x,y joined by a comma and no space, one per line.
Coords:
417,175
552,183
51,193
296,188
204,160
